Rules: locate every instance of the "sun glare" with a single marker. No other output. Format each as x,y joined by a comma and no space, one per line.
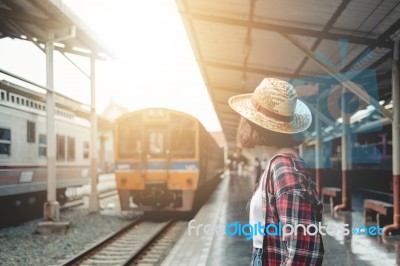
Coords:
153,64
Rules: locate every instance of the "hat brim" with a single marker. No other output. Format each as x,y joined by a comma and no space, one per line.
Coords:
301,119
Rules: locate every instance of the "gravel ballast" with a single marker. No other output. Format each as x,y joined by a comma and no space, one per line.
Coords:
22,245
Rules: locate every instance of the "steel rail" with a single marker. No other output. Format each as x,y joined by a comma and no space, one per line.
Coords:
84,254
89,255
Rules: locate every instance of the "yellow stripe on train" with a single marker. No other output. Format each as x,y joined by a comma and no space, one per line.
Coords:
175,181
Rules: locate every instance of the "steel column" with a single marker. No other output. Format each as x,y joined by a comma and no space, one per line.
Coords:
318,153
93,197
102,151
51,208
346,157
395,141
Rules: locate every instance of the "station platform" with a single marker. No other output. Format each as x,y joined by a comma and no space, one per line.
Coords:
208,246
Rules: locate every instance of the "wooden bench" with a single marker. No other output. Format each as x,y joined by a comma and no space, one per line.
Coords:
379,211
333,194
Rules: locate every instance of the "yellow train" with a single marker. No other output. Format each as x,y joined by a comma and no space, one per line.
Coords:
165,160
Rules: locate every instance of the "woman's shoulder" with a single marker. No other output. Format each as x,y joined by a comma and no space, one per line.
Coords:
288,161
289,172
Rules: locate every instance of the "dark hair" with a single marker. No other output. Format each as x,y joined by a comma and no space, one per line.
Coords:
250,135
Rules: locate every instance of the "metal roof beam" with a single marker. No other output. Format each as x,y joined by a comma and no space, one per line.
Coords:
379,77
383,38
75,52
45,88
259,71
339,77
36,4
326,29
248,38
57,48
266,72
288,29
16,15
380,61
248,69
321,116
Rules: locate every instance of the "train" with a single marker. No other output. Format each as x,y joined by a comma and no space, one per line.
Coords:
165,160
23,148
371,155
369,150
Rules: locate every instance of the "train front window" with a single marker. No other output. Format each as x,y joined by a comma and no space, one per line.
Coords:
130,144
183,134
182,142
130,137
156,143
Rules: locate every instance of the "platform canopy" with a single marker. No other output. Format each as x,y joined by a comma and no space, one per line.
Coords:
32,20
238,43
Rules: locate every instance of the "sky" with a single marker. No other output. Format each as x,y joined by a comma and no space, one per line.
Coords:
153,64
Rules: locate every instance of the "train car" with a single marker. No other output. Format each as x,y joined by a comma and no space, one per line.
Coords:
371,155
369,150
165,160
23,147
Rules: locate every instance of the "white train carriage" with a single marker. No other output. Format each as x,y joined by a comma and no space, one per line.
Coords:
23,146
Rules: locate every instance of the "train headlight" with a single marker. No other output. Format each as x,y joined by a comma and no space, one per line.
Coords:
123,180
189,181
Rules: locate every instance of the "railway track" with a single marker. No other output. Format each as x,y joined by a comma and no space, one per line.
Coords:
141,242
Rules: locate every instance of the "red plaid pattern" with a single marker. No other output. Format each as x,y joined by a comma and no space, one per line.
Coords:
292,199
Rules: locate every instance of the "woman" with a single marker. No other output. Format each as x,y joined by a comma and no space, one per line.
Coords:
272,117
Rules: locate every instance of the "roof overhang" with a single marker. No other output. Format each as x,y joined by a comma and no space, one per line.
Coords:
32,20
238,43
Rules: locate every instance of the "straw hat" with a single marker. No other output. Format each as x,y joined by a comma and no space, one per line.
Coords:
274,106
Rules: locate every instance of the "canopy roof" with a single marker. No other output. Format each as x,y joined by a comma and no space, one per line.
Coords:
32,20
238,43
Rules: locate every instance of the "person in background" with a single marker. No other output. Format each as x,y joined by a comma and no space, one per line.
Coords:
258,169
272,117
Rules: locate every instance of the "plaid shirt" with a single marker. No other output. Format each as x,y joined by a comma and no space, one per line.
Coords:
292,199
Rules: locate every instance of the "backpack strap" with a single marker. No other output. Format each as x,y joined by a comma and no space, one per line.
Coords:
265,200
264,183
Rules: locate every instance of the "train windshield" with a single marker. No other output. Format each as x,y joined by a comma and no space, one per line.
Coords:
141,139
156,142
130,138
183,133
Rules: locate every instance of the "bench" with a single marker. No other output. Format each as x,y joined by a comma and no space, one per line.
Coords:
333,194
379,211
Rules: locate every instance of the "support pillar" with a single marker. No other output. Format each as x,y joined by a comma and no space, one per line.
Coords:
318,152
395,227
102,154
93,197
51,209
346,156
